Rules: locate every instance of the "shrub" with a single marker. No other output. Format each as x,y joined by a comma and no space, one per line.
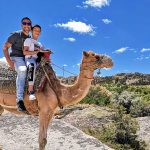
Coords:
96,97
140,108
124,99
120,134
125,132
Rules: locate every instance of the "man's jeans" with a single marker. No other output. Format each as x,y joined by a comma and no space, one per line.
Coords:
21,70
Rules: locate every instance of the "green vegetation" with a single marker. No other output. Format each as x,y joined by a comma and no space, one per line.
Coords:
141,91
128,102
135,99
96,97
120,134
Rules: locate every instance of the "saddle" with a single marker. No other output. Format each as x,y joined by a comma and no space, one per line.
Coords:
8,77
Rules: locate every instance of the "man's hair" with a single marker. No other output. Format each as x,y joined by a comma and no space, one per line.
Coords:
26,18
36,25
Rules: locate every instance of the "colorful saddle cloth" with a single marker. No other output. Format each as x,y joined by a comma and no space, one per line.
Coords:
8,77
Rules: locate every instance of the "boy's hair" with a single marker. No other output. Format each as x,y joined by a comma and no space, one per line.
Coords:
26,18
36,25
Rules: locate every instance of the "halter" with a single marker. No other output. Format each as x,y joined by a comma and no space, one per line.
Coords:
89,67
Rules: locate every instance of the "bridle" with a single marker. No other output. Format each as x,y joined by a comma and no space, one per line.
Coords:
90,67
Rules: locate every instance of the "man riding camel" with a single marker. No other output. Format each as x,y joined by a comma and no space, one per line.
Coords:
16,59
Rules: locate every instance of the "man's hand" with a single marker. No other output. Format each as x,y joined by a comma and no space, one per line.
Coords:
11,65
6,54
37,51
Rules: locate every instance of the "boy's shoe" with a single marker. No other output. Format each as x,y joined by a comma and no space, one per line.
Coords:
31,96
20,106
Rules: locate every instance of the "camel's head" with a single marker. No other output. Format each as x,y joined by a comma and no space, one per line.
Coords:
94,61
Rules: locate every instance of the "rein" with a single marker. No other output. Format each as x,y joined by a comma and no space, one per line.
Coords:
49,81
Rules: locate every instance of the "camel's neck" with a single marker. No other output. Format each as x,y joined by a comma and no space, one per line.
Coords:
75,93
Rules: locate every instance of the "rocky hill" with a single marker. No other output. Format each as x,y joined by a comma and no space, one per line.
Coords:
121,78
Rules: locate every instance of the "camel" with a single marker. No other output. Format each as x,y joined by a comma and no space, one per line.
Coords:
48,100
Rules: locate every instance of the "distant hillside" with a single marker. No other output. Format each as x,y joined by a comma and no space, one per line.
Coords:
121,78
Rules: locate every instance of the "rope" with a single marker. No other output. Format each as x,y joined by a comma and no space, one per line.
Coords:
71,72
59,103
63,69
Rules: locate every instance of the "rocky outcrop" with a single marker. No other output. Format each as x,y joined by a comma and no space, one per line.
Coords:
144,130
132,78
122,78
21,132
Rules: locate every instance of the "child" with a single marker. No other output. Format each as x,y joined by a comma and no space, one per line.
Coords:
31,48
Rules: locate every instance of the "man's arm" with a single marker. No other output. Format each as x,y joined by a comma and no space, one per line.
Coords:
6,46
27,52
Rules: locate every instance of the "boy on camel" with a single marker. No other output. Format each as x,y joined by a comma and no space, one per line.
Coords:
31,50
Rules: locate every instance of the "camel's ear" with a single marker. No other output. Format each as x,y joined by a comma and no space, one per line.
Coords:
85,53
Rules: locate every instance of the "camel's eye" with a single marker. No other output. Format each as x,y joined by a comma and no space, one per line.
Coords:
93,54
97,57
102,56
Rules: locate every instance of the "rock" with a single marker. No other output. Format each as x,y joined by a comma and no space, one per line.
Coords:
86,116
21,132
144,131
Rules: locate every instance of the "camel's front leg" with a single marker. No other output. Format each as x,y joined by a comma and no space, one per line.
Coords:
1,109
44,117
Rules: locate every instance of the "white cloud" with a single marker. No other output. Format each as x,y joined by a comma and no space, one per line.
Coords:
147,57
3,59
140,58
143,58
78,64
107,21
70,39
65,65
107,68
77,26
133,50
121,50
96,3
145,49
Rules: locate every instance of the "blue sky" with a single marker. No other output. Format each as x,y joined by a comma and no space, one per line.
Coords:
118,28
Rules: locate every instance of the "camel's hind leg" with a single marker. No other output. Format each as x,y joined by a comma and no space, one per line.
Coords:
1,110
44,117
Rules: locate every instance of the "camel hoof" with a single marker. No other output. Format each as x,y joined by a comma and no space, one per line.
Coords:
1,109
42,144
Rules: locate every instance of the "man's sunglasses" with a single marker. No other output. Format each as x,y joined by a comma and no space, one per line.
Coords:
26,23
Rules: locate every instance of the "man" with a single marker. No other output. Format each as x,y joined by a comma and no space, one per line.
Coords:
16,59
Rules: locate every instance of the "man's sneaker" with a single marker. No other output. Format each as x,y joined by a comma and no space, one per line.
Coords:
31,96
20,106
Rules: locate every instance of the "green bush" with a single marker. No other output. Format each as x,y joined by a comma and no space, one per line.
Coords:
96,97
120,134
140,109
124,99
118,88
141,91
125,132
